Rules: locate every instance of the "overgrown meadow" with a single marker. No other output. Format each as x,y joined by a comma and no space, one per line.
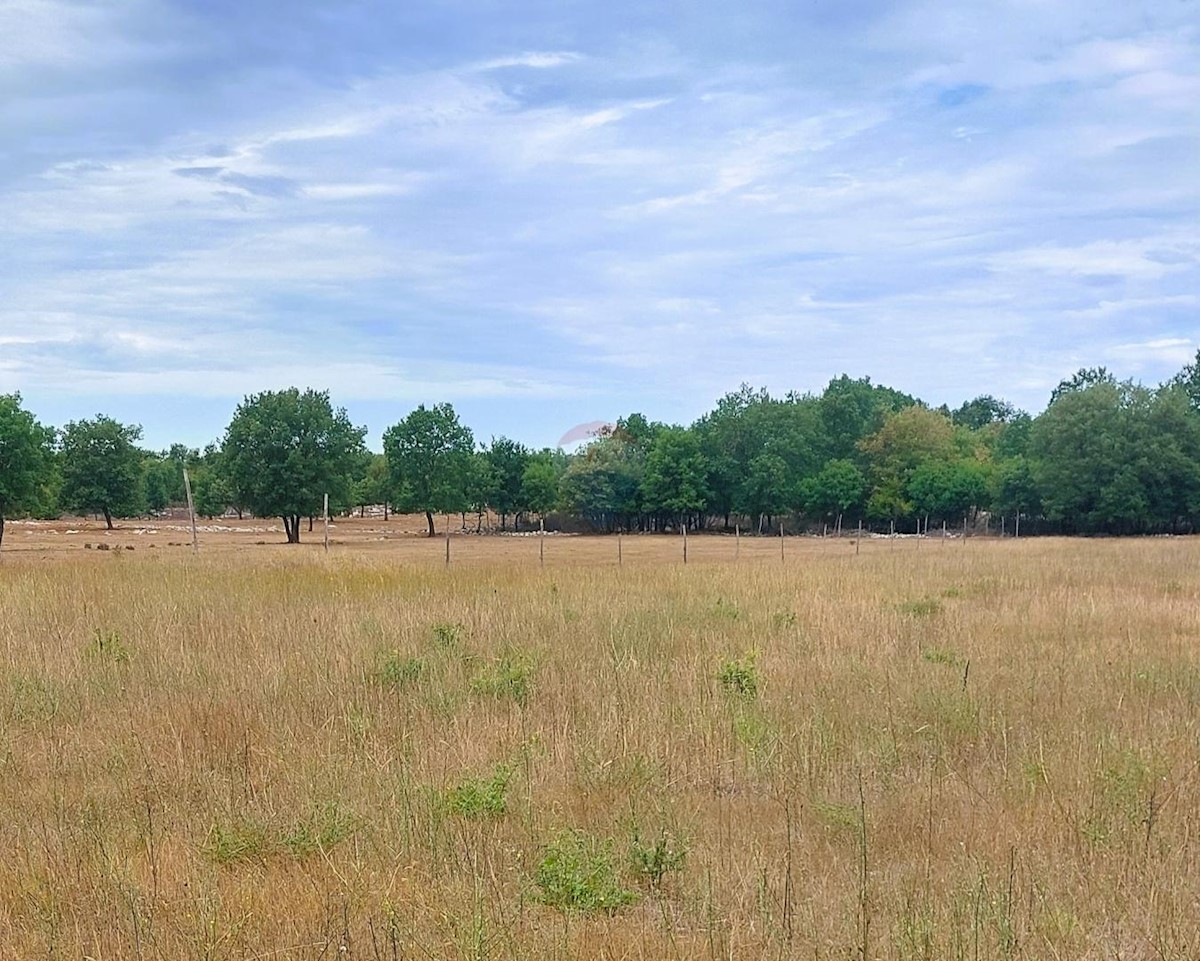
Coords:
957,751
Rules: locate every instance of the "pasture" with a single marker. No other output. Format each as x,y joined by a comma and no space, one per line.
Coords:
970,751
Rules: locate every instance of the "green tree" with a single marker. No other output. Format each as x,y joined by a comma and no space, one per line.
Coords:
373,484
507,461
540,482
675,479
949,490
1117,457
603,482
284,450
835,489
25,459
429,462
851,410
908,439
982,411
101,468
729,440
766,490
1014,489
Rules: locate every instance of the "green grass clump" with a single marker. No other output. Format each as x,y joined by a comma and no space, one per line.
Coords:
324,828
921,607
478,798
508,677
739,676
447,635
939,655
107,645
577,873
393,669
653,861
237,842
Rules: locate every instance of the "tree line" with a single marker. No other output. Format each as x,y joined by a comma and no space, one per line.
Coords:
1105,456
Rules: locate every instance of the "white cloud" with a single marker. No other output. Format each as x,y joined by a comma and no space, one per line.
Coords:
1140,259
1175,351
537,60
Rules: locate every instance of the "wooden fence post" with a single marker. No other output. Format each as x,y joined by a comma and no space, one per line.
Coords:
187,486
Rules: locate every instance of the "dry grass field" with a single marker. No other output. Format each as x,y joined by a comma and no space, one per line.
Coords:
946,751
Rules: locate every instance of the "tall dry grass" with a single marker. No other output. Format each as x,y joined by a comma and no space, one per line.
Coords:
981,751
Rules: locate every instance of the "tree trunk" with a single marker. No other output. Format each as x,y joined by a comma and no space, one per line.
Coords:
108,518
429,521
309,526
385,510
1,529
291,525
362,511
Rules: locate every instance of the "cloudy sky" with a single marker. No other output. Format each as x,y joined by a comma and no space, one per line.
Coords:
556,211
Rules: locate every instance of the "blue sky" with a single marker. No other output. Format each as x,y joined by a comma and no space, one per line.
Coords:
556,212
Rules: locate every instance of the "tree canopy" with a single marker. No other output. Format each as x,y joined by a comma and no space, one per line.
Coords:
429,462
284,450
1105,456
101,468
25,459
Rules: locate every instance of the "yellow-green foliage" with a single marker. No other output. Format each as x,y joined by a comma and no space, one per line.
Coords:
280,753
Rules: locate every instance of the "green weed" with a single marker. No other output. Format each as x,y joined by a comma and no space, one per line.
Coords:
739,676
107,645
481,797
324,828
577,873
921,607
446,635
653,861
508,677
393,669
237,843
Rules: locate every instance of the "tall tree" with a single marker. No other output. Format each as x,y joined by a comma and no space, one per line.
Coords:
540,482
908,439
852,409
983,410
429,462
507,461
675,480
101,467
25,458
284,450
835,489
